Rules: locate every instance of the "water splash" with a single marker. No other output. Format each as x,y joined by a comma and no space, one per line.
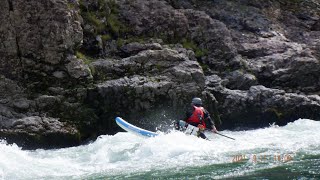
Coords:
176,154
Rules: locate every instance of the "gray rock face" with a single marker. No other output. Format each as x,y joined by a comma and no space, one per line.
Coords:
134,48
261,106
145,60
271,37
154,17
211,35
20,122
40,131
157,18
77,69
47,33
36,125
240,80
148,81
10,64
279,63
36,38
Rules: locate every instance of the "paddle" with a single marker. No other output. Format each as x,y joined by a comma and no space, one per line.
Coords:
225,136
184,124
221,134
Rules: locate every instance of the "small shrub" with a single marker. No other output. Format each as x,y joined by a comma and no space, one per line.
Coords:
86,60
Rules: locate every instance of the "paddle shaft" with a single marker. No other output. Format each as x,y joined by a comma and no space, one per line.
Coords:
210,130
221,134
226,136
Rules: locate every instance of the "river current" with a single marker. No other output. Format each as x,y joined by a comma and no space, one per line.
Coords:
288,152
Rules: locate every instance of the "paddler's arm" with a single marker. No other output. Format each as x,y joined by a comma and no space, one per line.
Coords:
189,112
209,122
214,129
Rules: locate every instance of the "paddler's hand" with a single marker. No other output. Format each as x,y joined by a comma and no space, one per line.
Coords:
214,129
201,127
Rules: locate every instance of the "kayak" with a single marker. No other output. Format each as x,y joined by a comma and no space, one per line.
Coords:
181,126
187,128
134,129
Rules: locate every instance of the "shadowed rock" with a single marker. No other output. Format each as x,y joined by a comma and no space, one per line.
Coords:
146,82
34,131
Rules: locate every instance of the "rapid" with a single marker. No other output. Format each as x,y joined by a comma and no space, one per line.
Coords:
288,152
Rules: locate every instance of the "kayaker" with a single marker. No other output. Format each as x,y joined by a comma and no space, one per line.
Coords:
197,116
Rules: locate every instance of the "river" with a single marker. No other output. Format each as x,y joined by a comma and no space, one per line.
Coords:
288,152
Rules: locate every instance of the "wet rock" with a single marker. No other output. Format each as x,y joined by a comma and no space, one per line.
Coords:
162,79
33,132
261,106
258,59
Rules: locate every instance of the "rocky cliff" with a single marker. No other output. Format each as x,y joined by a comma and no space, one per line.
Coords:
69,67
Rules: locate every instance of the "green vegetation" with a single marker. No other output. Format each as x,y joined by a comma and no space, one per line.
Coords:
92,19
114,24
130,39
70,5
189,44
101,19
86,59
120,42
106,37
105,21
93,70
201,52
205,67
80,55
104,18
277,112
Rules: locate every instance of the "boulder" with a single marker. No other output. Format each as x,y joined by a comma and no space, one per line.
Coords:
260,106
34,132
240,80
149,82
36,39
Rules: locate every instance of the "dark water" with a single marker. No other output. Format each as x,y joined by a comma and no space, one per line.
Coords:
304,167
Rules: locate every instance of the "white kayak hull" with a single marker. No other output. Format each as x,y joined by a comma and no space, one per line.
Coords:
134,129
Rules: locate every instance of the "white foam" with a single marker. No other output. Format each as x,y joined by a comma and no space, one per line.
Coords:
125,153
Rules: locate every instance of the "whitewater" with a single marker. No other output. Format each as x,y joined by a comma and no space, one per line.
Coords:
288,152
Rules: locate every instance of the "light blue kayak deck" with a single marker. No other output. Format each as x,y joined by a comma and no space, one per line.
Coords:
134,129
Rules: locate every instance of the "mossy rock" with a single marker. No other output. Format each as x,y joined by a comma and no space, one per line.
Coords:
189,44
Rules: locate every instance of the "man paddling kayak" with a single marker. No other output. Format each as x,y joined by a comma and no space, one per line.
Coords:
199,117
